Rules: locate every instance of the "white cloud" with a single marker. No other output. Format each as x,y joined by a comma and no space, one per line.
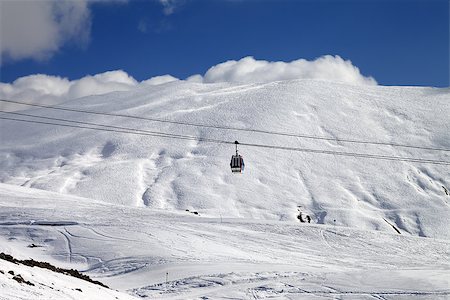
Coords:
38,88
50,90
246,70
40,84
169,6
195,78
37,29
104,83
47,89
157,80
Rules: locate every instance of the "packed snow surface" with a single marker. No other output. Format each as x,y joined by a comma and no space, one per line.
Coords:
120,207
159,254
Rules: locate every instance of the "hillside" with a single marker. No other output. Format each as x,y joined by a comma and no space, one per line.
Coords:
178,255
161,217
175,174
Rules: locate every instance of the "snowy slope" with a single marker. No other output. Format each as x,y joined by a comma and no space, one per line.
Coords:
132,249
169,174
45,284
113,205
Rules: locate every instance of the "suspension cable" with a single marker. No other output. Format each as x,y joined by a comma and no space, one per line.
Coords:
315,137
173,136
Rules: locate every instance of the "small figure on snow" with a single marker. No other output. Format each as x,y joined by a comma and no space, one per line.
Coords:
300,216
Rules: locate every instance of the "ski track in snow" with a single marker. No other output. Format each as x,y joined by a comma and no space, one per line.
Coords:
68,243
268,285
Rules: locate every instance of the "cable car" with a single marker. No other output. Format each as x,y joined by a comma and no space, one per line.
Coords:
237,162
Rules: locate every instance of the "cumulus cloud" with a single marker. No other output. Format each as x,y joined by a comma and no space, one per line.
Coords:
104,83
47,89
37,29
195,78
157,80
38,88
50,90
248,69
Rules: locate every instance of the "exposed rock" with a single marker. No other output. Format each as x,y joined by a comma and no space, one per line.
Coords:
46,265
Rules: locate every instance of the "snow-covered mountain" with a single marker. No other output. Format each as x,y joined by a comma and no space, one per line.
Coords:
131,224
173,174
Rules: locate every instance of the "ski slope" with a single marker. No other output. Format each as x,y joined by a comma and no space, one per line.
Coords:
119,201
132,249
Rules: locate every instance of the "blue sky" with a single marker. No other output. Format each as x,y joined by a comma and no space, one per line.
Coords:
397,42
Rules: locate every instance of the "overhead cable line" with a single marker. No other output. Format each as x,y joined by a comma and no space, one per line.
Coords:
124,130
99,125
173,136
342,140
